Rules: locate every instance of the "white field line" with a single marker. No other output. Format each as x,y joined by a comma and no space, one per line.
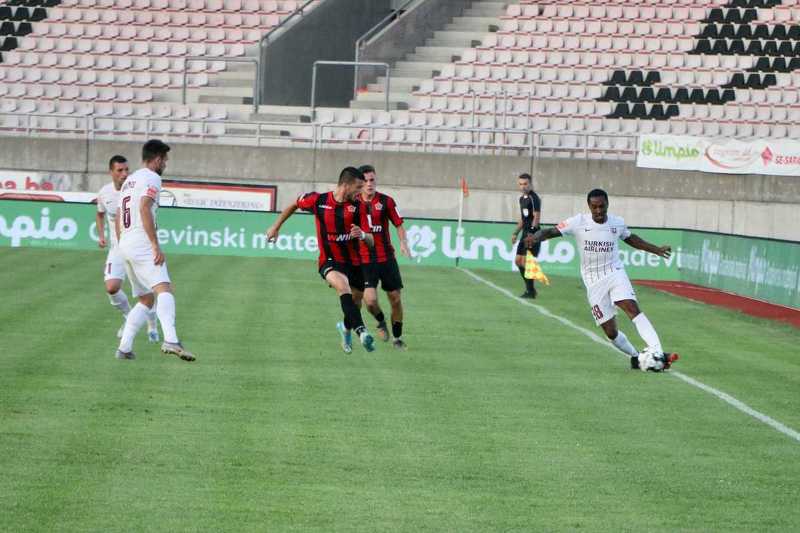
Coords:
727,398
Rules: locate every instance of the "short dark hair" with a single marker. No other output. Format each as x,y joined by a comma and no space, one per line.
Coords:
526,176
366,169
117,159
154,148
594,193
349,175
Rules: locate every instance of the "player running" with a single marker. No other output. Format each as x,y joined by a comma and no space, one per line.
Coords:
144,261
337,215
530,214
114,269
378,263
607,285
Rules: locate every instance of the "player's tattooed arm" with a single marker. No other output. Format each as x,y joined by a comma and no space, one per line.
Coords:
357,233
272,231
640,244
403,236
541,235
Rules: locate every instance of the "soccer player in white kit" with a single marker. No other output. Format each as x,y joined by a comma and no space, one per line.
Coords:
607,285
114,268
144,261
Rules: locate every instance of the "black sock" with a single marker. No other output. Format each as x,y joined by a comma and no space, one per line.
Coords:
528,282
347,322
380,318
397,329
351,312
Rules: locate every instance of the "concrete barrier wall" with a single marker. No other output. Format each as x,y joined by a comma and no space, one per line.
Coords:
425,184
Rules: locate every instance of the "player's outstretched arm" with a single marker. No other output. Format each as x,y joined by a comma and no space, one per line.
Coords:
541,235
274,229
640,244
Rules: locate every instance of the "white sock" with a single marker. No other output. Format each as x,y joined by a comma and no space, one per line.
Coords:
165,307
647,332
151,319
135,321
120,301
624,345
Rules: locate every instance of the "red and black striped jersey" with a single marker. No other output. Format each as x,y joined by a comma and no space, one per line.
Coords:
334,220
376,214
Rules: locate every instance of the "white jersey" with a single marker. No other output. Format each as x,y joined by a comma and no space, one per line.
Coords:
107,202
598,245
142,183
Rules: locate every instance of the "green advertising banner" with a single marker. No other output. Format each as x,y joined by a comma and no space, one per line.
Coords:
759,268
762,269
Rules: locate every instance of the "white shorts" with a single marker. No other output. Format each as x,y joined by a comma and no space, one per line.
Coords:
604,293
114,267
142,271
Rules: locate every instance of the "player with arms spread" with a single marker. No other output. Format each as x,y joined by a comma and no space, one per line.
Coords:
607,285
379,263
114,269
144,260
337,217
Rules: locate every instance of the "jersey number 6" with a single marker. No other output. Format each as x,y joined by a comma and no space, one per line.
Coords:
126,212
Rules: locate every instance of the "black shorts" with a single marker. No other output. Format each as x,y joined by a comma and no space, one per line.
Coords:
354,276
387,273
523,250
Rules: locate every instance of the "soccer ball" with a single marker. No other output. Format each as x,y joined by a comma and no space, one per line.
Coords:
651,360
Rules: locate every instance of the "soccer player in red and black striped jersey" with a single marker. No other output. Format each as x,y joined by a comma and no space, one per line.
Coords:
378,263
337,215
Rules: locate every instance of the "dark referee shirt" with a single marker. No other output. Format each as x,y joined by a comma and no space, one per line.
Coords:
528,204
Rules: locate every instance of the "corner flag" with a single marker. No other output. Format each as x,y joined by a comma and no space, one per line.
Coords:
533,270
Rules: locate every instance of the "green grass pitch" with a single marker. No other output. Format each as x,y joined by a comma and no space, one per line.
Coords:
496,419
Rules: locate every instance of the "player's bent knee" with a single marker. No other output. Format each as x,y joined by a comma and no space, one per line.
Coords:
113,287
162,287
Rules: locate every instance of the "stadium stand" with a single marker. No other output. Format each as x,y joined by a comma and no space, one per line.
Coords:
120,64
556,78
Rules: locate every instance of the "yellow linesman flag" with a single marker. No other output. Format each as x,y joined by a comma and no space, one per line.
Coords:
533,270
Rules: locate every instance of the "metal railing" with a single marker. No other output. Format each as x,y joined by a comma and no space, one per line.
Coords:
265,40
319,135
347,64
254,60
395,15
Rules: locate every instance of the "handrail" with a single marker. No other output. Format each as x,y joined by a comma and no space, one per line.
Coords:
397,14
346,63
256,82
264,41
254,130
283,23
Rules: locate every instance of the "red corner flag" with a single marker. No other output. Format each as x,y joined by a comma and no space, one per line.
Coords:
464,188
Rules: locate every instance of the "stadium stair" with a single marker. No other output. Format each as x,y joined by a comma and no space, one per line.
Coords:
427,60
